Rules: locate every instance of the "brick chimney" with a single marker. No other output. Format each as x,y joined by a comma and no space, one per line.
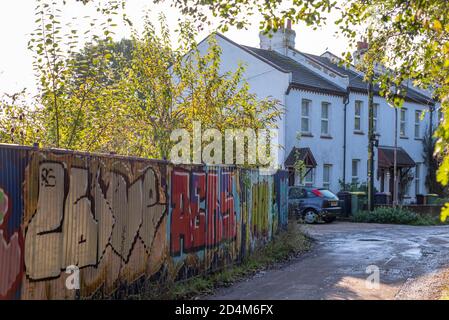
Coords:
362,47
280,40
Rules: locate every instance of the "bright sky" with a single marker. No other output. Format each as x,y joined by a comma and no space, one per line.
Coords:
17,22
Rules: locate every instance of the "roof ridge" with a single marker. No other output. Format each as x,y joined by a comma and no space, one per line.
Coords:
307,55
352,72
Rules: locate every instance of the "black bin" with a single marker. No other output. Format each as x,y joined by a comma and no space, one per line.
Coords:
345,202
420,199
381,198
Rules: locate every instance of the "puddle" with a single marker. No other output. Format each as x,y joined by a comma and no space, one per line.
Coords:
412,253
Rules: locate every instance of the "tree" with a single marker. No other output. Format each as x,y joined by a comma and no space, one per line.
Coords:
75,112
432,163
129,96
119,57
19,124
236,12
167,89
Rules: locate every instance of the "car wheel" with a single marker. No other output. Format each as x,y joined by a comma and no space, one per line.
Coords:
310,216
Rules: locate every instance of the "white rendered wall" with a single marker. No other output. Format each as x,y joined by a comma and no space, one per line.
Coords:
264,80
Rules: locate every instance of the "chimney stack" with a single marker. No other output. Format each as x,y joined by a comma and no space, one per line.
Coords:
362,47
280,40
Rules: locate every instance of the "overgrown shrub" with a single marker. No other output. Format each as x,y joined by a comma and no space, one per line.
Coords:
392,215
441,201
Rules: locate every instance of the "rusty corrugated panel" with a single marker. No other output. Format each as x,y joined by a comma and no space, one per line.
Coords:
125,222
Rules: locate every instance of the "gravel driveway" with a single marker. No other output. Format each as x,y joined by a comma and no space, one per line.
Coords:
412,262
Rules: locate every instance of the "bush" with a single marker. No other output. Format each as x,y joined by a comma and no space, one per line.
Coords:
441,201
392,215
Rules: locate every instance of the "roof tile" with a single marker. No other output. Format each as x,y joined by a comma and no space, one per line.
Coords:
300,74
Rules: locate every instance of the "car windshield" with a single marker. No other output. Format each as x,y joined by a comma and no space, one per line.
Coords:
327,194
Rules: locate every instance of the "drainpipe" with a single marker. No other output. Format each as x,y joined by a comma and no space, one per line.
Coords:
430,150
431,121
371,139
346,102
395,182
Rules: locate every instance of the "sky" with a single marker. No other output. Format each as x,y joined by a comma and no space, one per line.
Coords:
17,23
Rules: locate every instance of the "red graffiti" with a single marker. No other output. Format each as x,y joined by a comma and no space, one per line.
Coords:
11,259
213,225
202,212
198,194
181,222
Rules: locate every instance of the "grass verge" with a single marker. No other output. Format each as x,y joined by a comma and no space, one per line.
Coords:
283,247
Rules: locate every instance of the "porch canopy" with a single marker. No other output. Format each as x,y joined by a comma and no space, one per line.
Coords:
386,158
303,154
386,165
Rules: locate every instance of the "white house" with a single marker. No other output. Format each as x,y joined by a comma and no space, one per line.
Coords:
327,105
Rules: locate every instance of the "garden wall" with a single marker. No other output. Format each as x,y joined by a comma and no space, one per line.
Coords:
125,221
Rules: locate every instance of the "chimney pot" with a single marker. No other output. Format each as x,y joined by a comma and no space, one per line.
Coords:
362,45
279,40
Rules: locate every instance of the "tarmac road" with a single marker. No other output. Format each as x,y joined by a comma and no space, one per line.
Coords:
413,263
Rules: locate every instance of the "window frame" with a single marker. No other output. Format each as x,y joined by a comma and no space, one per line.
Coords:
375,116
327,120
355,178
307,102
417,177
403,122
327,184
358,103
417,124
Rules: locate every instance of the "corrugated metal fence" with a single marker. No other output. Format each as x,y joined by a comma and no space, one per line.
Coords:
125,221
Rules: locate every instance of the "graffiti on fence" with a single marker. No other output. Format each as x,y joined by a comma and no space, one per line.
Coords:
195,225
11,237
122,221
80,212
10,251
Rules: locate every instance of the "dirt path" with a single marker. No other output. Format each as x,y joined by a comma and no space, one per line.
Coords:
412,263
